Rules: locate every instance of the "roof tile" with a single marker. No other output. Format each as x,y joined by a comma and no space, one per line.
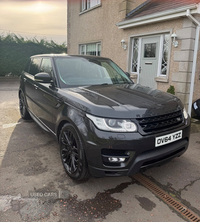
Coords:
154,6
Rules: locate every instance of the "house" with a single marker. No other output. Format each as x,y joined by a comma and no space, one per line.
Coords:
156,41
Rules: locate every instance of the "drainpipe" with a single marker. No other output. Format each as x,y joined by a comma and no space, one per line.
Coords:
188,14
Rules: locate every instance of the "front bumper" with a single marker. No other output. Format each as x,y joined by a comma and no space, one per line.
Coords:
140,149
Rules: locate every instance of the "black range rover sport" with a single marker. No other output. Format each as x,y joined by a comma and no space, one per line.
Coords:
105,124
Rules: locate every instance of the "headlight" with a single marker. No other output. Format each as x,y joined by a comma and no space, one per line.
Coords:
113,125
185,114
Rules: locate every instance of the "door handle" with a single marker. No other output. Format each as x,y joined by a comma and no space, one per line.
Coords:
140,69
36,87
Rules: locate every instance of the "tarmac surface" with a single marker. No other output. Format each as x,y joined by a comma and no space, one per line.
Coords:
35,187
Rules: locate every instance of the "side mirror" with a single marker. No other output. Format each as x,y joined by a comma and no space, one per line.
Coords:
43,77
128,74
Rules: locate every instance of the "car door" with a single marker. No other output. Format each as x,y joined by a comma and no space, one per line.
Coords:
29,83
44,96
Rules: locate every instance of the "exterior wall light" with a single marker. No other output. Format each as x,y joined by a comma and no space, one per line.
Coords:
124,46
174,37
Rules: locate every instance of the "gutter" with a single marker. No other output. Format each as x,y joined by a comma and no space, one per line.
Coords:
196,45
158,17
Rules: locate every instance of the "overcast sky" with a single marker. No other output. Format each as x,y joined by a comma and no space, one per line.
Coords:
29,18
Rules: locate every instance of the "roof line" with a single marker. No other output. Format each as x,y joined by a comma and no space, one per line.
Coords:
137,8
159,16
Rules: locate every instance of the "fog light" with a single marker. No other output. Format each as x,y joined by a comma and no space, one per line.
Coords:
113,159
116,159
121,159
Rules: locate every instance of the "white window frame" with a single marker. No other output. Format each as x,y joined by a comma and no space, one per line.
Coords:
97,48
80,49
161,56
83,5
85,47
139,53
86,4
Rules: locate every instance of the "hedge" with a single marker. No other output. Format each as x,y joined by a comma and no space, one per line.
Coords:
15,51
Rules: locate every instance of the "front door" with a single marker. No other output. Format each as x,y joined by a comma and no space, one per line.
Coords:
149,61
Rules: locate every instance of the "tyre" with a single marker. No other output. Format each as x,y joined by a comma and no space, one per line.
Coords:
72,153
22,107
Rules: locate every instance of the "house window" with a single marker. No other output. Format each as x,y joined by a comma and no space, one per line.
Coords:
135,50
90,49
165,52
87,4
150,50
83,49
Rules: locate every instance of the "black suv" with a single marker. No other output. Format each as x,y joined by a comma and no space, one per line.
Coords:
105,124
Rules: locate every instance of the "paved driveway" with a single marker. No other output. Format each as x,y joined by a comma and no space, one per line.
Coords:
34,186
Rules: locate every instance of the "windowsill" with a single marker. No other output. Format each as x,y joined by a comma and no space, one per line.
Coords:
161,79
90,9
133,76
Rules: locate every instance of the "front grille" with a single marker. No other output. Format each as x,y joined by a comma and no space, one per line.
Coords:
159,123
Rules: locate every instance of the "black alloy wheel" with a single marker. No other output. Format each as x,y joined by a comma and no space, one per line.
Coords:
72,153
22,107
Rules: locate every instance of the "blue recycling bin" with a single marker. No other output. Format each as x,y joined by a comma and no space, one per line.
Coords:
196,107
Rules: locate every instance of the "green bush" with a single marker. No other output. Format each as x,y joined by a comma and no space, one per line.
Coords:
171,90
15,51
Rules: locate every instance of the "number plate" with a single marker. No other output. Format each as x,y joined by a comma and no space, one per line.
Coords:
169,138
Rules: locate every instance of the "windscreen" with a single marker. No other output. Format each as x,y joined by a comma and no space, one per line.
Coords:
77,71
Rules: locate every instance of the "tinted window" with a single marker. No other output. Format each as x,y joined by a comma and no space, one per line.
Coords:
27,66
46,66
35,66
